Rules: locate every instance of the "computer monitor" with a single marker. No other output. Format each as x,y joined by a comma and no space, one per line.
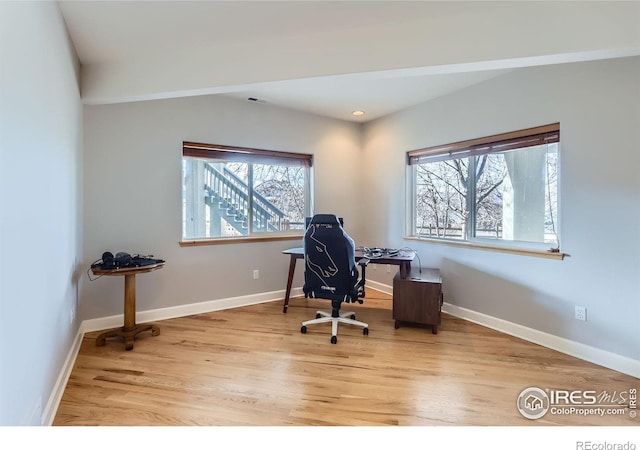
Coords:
307,222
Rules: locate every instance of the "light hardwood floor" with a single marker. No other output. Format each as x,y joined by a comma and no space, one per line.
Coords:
252,366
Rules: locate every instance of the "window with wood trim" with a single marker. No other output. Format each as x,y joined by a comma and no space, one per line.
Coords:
232,192
496,189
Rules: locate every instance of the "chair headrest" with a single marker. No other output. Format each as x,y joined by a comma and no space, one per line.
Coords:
330,219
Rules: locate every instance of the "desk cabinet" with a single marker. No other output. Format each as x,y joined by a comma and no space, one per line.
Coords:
418,298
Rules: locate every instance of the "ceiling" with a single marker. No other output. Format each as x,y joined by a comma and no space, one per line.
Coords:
325,57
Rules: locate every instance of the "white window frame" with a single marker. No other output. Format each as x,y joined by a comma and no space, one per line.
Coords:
251,157
547,134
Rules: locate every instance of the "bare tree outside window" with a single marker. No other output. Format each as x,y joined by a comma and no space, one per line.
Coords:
506,195
283,186
441,199
490,176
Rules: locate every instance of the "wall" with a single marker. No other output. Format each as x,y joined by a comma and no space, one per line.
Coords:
132,167
598,107
40,191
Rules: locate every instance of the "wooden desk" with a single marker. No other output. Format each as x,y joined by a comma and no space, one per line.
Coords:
402,259
130,329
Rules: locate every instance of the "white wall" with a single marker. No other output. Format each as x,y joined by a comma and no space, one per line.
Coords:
132,197
40,191
598,107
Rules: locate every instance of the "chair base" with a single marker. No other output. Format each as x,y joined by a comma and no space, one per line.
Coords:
325,317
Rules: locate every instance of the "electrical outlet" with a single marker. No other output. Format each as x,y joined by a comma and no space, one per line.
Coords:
388,268
72,315
581,313
256,274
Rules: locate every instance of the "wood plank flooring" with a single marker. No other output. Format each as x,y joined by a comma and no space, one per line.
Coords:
252,366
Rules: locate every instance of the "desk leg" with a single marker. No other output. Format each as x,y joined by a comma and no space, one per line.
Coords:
292,269
130,329
405,267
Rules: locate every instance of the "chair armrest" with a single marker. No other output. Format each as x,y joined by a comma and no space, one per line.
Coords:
363,261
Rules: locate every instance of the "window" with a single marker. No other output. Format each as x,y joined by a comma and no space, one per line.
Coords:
232,192
501,189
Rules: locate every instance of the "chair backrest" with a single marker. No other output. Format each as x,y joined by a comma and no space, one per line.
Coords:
329,254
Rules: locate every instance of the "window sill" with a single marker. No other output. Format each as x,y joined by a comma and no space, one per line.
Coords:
491,248
238,240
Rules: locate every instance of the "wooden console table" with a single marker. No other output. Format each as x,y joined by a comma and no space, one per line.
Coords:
130,329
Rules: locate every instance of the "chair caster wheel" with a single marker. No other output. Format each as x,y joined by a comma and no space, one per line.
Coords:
365,331
353,317
303,329
334,339
318,315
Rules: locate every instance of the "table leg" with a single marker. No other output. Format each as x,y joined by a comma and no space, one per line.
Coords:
292,269
129,301
130,329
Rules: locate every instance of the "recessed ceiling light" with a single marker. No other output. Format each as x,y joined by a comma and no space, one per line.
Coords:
358,113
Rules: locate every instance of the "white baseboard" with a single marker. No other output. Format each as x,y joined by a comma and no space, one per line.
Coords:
585,352
380,287
50,410
187,310
597,356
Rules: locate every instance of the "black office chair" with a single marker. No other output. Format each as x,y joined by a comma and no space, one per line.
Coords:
331,272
